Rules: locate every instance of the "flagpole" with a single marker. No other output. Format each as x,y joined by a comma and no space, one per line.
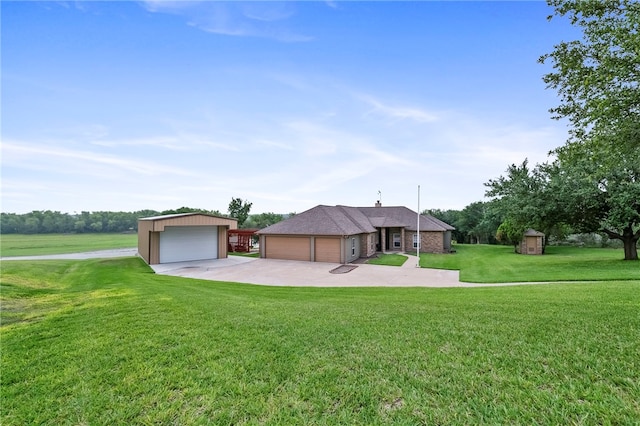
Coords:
418,231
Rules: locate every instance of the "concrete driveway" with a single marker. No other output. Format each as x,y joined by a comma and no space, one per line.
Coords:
311,274
286,272
292,273
100,254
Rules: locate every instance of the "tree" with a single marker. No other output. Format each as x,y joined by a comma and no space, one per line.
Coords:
262,220
598,80
600,189
239,210
597,77
477,223
510,233
528,198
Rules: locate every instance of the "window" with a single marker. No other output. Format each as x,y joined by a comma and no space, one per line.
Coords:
353,246
396,240
415,241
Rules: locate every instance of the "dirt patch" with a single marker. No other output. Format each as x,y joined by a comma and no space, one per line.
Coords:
343,269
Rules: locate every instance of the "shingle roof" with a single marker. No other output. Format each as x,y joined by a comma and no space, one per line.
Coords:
533,233
345,220
322,220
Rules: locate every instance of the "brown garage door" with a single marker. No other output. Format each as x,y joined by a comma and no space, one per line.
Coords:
328,250
290,248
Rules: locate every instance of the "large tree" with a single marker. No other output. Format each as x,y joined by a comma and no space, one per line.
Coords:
598,79
527,198
239,209
598,186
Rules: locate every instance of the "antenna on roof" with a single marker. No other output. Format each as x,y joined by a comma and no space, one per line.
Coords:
379,196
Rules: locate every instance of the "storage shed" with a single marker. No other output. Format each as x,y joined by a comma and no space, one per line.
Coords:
532,242
183,237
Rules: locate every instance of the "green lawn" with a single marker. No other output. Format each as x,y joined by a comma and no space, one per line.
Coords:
388,260
235,253
109,342
41,244
494,264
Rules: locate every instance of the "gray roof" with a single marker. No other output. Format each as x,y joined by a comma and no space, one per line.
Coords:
533,233
345,220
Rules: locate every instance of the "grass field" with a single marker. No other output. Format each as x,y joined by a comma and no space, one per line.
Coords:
41,244
109,342
494,264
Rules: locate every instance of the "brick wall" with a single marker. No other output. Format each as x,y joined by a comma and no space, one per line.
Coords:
430,242
367,245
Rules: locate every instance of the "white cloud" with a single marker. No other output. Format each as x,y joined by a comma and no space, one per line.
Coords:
398,112
67,161
273,144
241,19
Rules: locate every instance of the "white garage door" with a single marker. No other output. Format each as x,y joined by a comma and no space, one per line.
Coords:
183,243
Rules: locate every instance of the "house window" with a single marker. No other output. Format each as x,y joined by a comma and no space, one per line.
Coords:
353,246
396,240
415,240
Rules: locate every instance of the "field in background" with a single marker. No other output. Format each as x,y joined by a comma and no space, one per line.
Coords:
109,342
42,244
499,264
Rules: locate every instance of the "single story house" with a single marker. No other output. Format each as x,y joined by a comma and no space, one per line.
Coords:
342,234
183,237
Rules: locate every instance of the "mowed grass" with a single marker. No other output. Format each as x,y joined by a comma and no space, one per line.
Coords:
499,264
42,244
388,260
109,342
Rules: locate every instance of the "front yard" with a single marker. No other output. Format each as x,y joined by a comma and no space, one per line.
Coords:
109,342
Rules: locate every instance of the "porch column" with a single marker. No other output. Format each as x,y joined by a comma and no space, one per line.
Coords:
383,239
402,248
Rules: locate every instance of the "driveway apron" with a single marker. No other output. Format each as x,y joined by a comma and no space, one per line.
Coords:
311,274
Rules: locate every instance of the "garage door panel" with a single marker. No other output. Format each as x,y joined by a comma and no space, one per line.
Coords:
327,250
184,243
289,248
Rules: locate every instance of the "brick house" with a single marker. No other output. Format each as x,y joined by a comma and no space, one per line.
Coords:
342,234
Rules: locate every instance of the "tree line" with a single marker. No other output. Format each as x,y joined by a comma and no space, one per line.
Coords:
55,222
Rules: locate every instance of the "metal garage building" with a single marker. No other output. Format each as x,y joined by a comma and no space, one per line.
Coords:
183,237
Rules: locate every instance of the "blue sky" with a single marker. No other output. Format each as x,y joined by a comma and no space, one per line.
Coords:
124,106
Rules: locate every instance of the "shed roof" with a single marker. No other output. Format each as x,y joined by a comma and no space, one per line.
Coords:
533,233
173,216
346,220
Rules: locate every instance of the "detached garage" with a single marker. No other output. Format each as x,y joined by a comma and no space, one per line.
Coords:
183,237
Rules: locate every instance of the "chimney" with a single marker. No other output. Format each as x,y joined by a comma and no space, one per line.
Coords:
378,203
